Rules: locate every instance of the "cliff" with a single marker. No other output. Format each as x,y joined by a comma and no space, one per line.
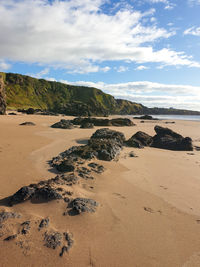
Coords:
24,92
2,95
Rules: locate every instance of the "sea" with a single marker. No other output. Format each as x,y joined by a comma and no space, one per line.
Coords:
177,117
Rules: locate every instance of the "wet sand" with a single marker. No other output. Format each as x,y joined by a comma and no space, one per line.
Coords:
149,213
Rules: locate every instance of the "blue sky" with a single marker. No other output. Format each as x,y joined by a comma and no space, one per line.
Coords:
146,51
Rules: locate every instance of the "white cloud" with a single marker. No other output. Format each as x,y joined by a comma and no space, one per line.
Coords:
77,35
141,67
40,74
121,69
192,31
167,3
4,66
151,94
194,2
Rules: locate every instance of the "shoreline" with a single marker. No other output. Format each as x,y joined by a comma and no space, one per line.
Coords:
144,217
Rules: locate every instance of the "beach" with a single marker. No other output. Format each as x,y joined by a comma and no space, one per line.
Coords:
148,213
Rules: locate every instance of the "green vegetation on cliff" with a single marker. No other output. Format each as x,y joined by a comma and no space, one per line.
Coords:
24,92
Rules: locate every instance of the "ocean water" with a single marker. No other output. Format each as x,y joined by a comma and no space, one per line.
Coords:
177,117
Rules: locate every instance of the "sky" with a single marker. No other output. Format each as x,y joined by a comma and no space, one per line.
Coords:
146,51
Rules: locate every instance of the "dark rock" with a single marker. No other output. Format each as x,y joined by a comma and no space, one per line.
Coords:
23,194
87,125
8,215
2,96
53,239
80,205
63,124
43,223
122,122
65,166
106,133
167,122
84,173
25,227
165,138
96,167
30,111
132,155
12,113
139,140
28,123
11,237
70,179
63,250
94,121
47,193
69,239
145,117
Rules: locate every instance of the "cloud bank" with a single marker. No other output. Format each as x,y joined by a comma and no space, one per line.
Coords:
78,35
151,94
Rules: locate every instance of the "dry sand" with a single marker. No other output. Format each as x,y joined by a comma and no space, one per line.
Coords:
149,213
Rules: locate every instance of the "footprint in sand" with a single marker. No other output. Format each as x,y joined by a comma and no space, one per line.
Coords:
165,188
119,195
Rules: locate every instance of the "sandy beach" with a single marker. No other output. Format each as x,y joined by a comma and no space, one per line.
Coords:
149,205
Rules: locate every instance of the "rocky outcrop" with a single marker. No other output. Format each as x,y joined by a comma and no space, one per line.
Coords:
139,140
145,117
80,205
103,122
63,124
2,96
104,144
165,138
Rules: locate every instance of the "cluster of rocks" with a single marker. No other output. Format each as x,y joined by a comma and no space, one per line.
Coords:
165,138
51,238
104,144
103,122
31,111
89,123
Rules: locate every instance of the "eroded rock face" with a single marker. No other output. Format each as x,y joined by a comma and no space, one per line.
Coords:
165,138
2,96
139,140
63,124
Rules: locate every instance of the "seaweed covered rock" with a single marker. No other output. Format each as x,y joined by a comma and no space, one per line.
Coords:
165,138
87,125
4,216
65,166
139,140
94,121
23,194
63,124
33,192
47,193
122,122
103,122
80,205
106,143
106,133
53,239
